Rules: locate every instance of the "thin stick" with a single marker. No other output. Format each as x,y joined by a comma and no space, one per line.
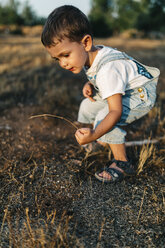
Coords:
54,116
6,211
141,205
28,224
143,142
101,231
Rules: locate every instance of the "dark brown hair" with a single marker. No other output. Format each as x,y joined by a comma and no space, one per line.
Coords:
65,21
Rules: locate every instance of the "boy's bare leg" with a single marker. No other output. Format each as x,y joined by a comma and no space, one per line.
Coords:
119,153
102,143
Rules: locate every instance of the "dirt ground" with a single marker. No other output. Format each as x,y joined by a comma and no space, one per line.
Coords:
49,196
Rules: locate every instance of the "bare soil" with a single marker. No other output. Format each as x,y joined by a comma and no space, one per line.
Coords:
49,196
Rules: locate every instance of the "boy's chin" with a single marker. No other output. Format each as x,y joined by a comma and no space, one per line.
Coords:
76,71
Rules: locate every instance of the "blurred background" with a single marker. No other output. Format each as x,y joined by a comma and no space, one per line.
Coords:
108,17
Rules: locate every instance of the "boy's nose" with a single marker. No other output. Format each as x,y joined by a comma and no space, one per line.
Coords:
63,63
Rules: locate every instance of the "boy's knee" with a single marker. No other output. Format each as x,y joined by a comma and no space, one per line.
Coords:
84,105
101,115
84,114
115,136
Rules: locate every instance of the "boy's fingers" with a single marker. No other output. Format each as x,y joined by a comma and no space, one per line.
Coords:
79,134
82,131
87,93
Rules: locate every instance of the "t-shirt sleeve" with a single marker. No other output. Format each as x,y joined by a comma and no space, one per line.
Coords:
112,78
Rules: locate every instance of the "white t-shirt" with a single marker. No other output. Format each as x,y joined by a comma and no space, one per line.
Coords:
115,76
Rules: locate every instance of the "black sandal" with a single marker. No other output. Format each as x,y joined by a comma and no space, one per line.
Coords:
116,175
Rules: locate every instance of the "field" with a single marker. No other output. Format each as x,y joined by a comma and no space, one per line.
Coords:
49,196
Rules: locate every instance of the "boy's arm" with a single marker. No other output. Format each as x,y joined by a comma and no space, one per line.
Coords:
86,135
114,115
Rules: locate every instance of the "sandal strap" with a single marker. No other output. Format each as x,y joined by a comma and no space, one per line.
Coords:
115,174
126,166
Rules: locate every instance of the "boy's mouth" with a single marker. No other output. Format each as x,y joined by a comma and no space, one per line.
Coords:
71,69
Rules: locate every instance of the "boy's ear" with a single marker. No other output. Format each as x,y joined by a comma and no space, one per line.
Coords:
87,42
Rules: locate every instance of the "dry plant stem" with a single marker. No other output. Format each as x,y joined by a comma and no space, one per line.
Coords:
100,234
54,215
4,218
29,227
11,233
101,231
54,116
29,158
141,205
145,153
143,142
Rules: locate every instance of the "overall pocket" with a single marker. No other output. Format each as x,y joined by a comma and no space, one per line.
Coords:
137,103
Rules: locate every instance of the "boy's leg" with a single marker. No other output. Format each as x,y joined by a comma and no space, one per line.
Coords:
119,153
88,110
115,139
134,107
87,114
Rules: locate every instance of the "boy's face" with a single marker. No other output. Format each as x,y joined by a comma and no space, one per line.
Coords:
72,56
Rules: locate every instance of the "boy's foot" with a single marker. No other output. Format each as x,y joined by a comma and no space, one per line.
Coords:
116,171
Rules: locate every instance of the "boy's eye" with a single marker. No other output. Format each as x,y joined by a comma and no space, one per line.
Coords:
65,56
56,59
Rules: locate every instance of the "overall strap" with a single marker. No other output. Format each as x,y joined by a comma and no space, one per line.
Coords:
109,58
122,55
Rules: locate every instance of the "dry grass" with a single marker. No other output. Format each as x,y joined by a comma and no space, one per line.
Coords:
145,154
31,237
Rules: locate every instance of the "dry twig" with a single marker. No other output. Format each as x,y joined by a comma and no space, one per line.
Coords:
54,116
141,205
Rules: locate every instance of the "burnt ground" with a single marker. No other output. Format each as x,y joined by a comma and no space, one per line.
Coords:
49,196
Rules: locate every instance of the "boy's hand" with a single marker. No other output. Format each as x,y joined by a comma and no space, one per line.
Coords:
84,136
88,91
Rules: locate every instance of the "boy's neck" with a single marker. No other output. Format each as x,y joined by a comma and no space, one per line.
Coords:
91,55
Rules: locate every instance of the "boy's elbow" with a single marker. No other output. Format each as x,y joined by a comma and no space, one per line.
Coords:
118,114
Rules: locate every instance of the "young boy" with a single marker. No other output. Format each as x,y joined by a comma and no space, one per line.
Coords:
126,89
